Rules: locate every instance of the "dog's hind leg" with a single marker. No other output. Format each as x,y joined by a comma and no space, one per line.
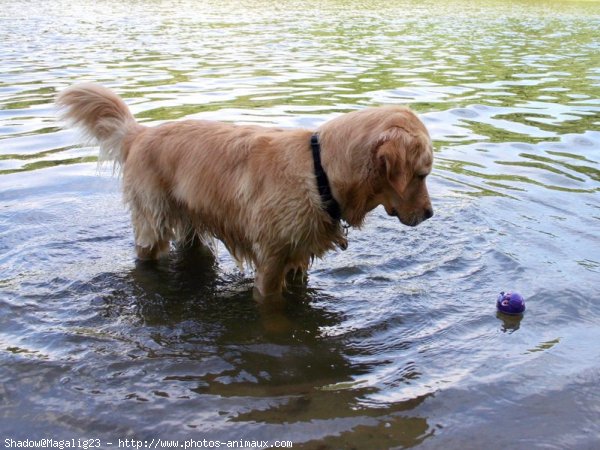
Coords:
151,231
153,252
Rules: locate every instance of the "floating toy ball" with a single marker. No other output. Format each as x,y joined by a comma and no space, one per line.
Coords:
510,303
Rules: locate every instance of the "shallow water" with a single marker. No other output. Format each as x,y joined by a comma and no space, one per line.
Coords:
393,343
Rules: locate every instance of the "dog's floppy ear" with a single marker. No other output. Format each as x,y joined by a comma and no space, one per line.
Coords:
390,151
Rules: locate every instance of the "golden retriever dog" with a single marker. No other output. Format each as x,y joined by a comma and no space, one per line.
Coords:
274,197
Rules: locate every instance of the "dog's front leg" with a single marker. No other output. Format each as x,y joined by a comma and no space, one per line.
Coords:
269,279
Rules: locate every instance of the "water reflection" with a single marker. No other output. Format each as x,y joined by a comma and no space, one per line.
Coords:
510,324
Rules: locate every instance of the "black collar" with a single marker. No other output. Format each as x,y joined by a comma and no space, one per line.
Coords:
329,203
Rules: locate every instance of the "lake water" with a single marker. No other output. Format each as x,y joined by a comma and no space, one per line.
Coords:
393,343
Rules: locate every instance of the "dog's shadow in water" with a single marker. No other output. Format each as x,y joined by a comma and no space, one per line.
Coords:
188,285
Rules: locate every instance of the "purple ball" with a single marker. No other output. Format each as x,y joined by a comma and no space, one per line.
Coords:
510,303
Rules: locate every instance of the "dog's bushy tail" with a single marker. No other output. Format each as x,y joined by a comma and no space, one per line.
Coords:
101,115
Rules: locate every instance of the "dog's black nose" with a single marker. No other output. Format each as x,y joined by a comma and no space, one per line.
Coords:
428,213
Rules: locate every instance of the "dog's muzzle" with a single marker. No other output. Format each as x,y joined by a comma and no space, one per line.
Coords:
413,220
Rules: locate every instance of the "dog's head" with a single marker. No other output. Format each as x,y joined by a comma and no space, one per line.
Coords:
381,156
403,160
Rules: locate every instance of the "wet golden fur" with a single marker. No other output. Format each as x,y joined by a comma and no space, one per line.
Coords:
254,187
